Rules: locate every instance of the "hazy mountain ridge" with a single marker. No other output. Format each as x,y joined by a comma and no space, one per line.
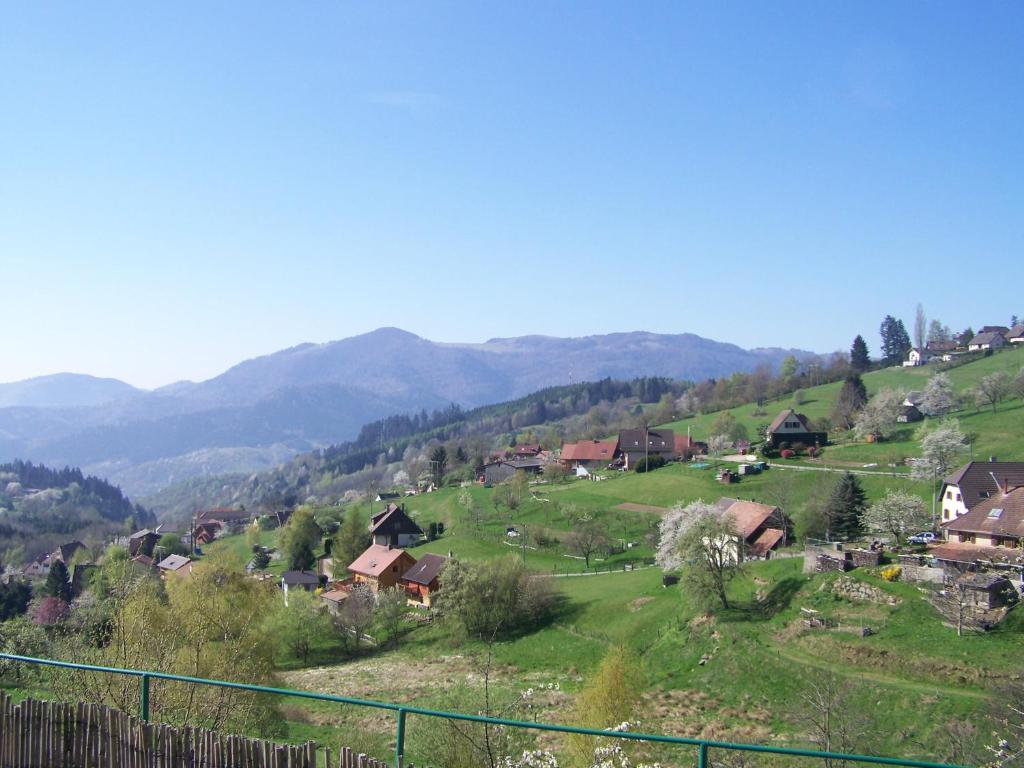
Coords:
317,394
64,390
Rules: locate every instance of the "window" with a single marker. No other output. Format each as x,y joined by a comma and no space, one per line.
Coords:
949,494
984,494
959,497
996,513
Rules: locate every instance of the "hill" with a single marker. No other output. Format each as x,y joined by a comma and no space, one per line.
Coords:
317,394
63,390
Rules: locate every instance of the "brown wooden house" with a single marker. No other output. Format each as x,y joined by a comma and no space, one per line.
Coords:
380,567
422,581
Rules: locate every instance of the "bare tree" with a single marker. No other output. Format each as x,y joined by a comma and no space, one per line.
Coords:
954,602
991,389
588,539
356,615
833,722
920,327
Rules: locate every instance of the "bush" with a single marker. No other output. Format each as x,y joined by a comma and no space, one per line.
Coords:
768,452
787,453
784,445
891,573
652,462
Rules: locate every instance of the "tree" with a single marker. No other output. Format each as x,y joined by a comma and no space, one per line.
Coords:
297,624
920,327
58,582
939,449
49,611
964,336
938,333
879,416
555,472
392,605
438,463
299,538
351,539
896,514
14,599
587,539
852,397
355,616
991,389
938,398
170,544
835,724
726,424
895,341
609,698
708,547
845,508
860,360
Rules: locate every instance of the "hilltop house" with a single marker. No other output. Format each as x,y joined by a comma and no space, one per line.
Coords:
635,444
380,567
590,454
917,356
422,581
792,427
760,528
394,528
974,483
987,340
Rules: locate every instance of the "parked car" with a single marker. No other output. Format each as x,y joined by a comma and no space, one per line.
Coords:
925,537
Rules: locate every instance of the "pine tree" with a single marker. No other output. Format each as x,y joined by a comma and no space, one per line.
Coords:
844,511
350,540
895,340
57,582
852,398
860,361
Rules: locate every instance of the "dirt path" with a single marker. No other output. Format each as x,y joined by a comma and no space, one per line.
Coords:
805,468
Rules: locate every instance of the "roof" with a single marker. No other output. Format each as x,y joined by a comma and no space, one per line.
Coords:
943,346
766,542
657,439
298,578
335,595
426,570
975,479
971,553
393,520
527,449
789,412
143,560
222,513
589,450
1016,332
1000,329
375,560
747,516
173,563
914,397
982,580
67,551
985,338
143,533
1002,514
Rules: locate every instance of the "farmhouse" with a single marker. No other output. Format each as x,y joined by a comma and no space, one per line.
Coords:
65,552
635,444
422,581
590,454
394,528
760,528
1016,334
174,565
975,482
380,567
792,427
986,340
498,471
142,542
304,580
909,414
996,522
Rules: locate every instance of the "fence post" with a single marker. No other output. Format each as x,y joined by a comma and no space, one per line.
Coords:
702,756
400,739
144,699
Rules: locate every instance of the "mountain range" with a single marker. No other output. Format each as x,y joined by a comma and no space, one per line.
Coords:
264,410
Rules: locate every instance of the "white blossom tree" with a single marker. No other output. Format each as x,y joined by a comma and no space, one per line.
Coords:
673,526
991,389
939,449
938,398
897,513
879,416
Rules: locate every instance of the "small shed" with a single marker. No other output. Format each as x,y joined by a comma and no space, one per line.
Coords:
987,590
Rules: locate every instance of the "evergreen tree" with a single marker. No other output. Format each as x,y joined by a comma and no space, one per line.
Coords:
844,511
57,582
895,341
860,361
852,398
438,463
298,538
351,539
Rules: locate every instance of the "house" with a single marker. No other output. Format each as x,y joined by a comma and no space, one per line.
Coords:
940,348
1002,330
760,528
909,414
38,568
498,471
686,447
65,552
987,591
526,450
204,533
635,444
590,454
997,521
174,565
987,340
917,356
306,581
1016,334
233,520
914,397
974,483
142,542
394,528
422,581
333,599
380,567
792,427
387,496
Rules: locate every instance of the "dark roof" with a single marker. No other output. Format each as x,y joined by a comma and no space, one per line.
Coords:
1016,332
787,414
67,551
527,449
972,553
1002,514
426,570
298,578
986,338
385,495
975,479
1000,329
393,520
143,534
222,513
983,580
657,440
943,346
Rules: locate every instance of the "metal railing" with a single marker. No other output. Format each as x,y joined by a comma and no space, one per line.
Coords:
402,711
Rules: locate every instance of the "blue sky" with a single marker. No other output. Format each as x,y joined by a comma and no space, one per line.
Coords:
185,185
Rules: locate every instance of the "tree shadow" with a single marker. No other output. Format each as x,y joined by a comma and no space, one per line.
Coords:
778,599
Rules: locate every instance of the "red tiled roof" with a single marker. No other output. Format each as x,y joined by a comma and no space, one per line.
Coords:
969,553
589,450
747,516
375,560
766,542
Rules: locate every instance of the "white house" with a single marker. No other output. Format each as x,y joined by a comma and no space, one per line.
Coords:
987,340
975,482
917,357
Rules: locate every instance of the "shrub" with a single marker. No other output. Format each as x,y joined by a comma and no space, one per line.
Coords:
787,453
652,462
891,573
784,445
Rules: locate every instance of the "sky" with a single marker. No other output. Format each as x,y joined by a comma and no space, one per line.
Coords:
186,185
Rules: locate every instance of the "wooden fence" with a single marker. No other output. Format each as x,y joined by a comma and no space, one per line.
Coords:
42,734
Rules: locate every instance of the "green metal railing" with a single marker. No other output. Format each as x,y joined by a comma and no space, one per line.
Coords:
402,711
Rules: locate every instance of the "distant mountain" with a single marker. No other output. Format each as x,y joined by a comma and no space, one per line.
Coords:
258,411
63,390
